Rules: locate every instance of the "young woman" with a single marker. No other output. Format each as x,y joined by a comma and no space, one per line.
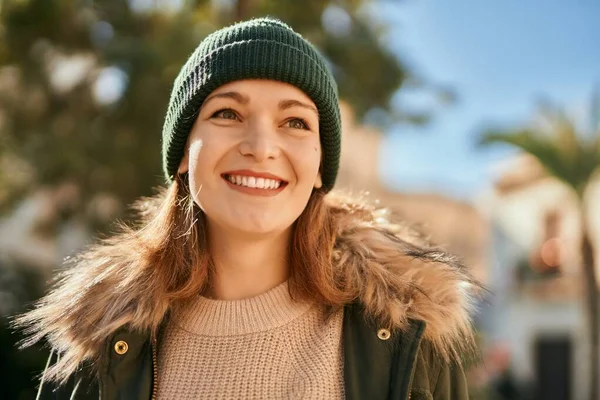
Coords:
246,278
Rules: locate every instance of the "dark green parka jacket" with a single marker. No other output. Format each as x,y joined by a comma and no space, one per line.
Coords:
377,366
403,336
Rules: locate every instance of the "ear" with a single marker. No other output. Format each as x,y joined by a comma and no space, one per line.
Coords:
184,163
318,181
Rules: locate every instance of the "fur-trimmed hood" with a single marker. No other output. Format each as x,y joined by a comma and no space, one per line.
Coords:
397,275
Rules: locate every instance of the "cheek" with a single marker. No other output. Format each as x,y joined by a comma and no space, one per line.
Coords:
312,158
194,155
306,161
207,147
203,158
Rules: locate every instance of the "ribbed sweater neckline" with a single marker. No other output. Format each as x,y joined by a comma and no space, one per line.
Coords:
269,310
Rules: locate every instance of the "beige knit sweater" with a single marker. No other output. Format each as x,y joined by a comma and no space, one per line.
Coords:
265,347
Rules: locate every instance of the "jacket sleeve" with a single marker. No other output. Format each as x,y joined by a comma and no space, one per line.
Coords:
438,379
451,383
72,389
49,390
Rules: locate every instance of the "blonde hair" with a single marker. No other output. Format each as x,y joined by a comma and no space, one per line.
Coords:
342,250
172,238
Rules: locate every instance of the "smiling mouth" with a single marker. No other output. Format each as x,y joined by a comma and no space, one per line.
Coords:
253,182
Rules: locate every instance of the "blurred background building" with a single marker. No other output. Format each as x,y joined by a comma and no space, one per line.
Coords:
536,277
428,89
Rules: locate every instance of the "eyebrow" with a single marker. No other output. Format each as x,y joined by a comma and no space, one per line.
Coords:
240,98
285,104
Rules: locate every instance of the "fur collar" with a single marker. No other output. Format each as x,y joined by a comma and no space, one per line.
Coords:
402,277
397,275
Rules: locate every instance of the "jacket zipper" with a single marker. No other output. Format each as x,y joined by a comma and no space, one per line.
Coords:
412,374
154,370
410,382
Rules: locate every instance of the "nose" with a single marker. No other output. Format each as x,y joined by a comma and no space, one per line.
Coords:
260,141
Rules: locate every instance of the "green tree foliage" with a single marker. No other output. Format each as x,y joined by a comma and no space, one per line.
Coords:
54,53
570,154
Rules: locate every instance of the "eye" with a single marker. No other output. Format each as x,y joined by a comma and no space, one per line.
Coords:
297,123
226,113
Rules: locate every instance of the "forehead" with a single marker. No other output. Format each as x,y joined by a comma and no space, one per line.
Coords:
264,90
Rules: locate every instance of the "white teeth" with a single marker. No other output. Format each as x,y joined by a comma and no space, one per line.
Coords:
252,182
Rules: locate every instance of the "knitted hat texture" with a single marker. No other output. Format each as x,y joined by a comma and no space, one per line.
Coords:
262,48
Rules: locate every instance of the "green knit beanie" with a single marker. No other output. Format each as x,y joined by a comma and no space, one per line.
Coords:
262,48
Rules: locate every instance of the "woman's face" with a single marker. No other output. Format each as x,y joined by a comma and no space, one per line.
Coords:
253,156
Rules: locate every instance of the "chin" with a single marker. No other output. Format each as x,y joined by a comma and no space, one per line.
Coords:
259,229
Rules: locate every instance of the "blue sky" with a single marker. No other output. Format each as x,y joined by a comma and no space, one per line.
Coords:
500,56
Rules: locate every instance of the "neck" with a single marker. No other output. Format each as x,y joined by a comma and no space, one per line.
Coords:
245,267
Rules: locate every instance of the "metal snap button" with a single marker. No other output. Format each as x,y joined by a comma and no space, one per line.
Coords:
121,347
384,334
